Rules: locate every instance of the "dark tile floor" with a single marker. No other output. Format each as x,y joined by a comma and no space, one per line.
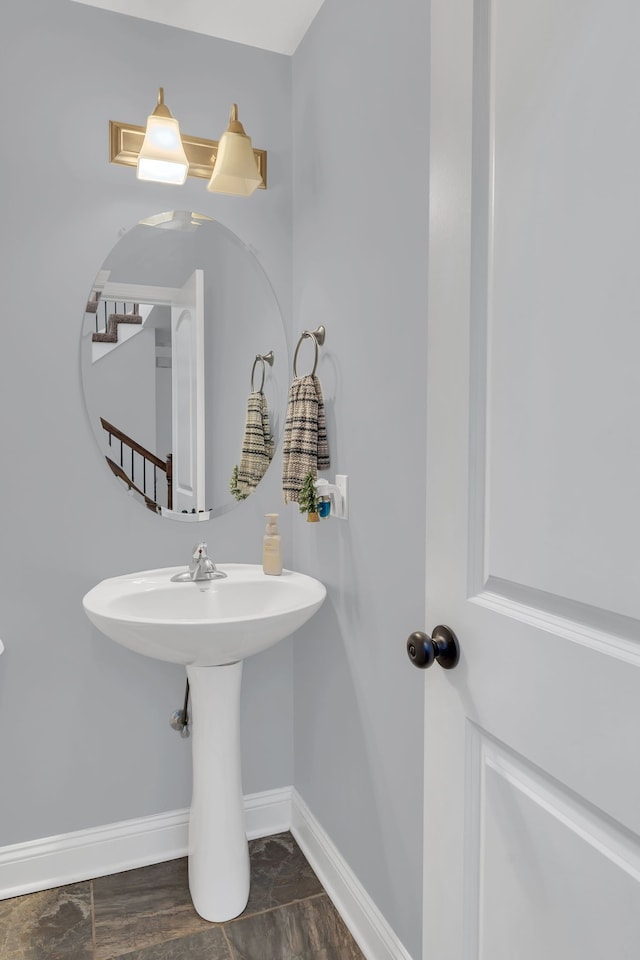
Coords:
147,914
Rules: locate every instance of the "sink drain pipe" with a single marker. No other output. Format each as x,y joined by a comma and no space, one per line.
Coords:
180,718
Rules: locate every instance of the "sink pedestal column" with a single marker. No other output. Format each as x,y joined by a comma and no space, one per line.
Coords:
218,848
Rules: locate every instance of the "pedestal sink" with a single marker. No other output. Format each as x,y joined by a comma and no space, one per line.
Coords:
210,628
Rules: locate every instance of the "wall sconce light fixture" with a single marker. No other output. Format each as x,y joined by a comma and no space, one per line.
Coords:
160,153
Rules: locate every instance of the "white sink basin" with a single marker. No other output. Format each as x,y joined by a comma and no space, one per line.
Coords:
203,624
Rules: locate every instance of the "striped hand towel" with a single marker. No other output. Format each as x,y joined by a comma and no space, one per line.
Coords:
305,446
257,446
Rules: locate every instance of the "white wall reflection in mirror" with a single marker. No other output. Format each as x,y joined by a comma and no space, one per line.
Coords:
184,411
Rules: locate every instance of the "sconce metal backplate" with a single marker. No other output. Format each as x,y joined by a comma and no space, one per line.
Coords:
125,143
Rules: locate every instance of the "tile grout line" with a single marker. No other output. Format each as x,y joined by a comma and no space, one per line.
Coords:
226,940
93,920
277,906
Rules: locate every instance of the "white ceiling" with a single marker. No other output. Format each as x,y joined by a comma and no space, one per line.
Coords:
277,25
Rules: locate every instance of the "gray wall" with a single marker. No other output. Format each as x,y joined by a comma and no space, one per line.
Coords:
85,734
360,96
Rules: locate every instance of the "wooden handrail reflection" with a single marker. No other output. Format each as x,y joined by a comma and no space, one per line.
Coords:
165,465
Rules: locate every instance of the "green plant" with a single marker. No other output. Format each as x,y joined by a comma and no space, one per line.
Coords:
234,488
308,497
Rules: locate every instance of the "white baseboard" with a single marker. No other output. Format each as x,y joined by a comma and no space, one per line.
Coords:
268,812
99,851
367,925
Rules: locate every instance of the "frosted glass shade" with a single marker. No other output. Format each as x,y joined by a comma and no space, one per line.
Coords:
162,157
235,170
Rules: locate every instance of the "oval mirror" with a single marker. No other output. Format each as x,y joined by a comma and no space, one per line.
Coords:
184,366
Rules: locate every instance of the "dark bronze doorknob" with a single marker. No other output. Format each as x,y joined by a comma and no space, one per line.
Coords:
442,646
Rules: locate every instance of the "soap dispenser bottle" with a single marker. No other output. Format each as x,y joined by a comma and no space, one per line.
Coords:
271,548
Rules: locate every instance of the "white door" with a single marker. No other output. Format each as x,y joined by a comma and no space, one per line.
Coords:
187,384
532,756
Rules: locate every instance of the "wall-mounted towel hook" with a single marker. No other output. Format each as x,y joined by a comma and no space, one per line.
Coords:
318,336
261,358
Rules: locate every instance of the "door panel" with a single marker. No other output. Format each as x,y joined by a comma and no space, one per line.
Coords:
531,774
538,847
556,290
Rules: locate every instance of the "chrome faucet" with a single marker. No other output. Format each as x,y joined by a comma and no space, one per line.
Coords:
201,567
